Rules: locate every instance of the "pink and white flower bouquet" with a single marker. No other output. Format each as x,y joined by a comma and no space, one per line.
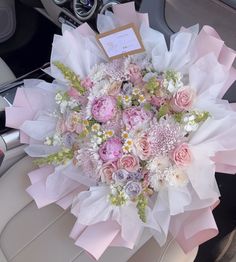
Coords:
135,142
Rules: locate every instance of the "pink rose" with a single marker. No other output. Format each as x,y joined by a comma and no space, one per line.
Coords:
87,83
135,116
71,124
182,155
111,150
183,99
135,74
61,127
114,89
106,171
128,162
104,108
143,147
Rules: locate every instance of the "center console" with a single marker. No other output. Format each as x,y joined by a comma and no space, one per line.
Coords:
75,12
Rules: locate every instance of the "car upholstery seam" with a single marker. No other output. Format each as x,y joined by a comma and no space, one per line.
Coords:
38,235
78,255
165,250
226,247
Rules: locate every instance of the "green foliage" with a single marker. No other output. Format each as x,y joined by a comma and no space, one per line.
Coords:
171,75
201,117
119,102
147,107
178,117
152,85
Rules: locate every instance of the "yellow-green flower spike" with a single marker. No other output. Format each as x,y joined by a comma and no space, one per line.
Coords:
70,76
141,206
61,157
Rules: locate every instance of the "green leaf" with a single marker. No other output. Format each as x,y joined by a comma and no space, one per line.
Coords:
147,107
163,110
178,117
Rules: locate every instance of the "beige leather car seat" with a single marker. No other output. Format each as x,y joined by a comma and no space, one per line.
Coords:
29,234
6,74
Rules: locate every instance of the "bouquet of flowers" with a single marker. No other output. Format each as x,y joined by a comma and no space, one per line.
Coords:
133,142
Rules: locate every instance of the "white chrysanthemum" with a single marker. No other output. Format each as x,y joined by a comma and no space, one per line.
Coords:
97,73
178,177
63,106
158,163
57,139
156,182
58,98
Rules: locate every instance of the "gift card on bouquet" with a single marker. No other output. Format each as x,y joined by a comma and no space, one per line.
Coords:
121,42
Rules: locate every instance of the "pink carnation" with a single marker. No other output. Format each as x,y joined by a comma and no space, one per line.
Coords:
128,162
183,99
72,92
182,155
87,83
135,74
111,150
135,116
104,108
157,101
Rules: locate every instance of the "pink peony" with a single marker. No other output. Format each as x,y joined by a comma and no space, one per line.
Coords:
182,155
128,162
135,74
104,108
87,83
183,99
135,116
107,170
111,150
143,147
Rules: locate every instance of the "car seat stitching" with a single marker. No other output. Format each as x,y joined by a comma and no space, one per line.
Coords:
39,234
78,255
165,250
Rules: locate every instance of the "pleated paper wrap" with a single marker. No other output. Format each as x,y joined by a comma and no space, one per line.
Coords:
185,212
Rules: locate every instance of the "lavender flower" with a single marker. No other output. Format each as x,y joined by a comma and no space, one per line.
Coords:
121,176
133,189
136,176
127,88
